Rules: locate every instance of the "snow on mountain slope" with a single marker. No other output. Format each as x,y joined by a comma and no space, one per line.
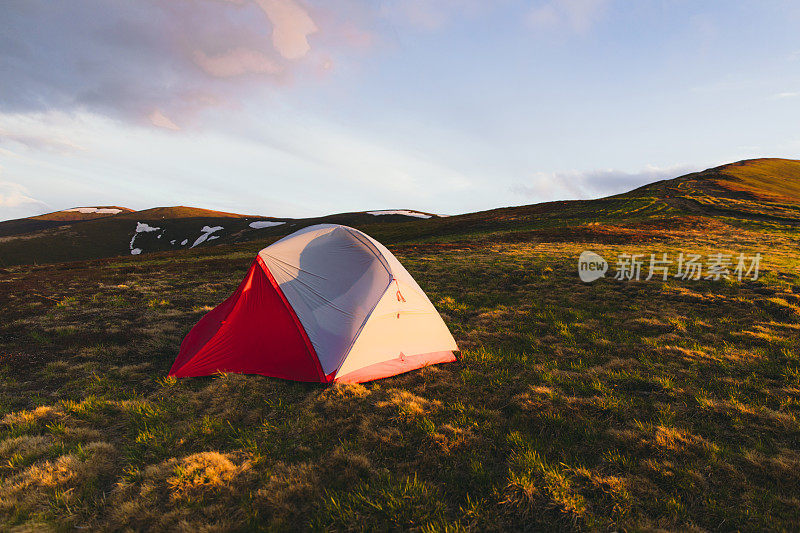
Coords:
88,232
75,214
99,210
140,228
265,224
205,234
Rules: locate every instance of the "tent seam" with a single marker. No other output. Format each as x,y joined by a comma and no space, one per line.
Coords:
361,327
312,352
371,247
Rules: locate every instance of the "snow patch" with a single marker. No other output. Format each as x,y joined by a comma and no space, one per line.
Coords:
184,241
86,210
405,212
206,233
140,228
136,251
265,224
172,241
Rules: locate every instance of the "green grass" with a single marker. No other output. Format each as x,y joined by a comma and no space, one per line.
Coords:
606,406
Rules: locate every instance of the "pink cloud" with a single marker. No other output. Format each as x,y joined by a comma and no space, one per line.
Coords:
165,62
236,62
291,26
157,118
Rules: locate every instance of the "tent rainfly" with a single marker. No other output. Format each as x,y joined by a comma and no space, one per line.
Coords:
327,304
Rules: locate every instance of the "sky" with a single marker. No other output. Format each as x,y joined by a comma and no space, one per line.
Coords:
294,108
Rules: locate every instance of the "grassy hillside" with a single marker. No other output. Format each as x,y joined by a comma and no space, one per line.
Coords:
754,193
178,212
82,213
765,190
60,237
650,212
758,177
106,237
57,218
616,405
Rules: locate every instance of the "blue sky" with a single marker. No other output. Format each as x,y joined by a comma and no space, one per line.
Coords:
298,108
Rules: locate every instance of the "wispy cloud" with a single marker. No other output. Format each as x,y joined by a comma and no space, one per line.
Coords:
40,141
159,119
789,94
546,186
236,62
576,15
16,202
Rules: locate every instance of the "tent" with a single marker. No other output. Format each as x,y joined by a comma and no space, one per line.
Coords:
326,303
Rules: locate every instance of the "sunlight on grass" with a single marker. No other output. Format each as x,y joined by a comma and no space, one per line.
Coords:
608,406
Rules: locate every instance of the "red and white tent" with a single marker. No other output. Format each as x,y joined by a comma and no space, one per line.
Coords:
326,303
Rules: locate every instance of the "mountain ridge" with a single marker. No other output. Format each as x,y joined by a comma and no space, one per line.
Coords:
765,190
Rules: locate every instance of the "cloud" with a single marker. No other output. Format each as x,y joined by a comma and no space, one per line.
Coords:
789,94
577,15
14,195
546,186
123,60
157,118
236,62
291,26
40,141
16,202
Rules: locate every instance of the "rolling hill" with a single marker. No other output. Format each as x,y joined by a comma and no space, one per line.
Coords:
699,199
77,214
653,211
58,218
758,191
87,233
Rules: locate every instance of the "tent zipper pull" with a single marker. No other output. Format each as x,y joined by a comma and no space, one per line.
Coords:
399,295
